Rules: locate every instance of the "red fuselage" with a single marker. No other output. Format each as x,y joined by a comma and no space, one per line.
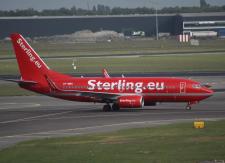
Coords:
160,89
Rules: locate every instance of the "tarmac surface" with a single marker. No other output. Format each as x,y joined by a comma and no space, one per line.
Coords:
30,117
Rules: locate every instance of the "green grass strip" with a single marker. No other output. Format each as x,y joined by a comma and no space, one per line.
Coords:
163,144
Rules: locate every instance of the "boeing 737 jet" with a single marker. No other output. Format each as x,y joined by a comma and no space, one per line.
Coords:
115,92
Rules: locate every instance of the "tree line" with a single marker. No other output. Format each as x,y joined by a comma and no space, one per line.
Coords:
106,10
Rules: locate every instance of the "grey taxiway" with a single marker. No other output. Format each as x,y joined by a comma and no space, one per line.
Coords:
25,118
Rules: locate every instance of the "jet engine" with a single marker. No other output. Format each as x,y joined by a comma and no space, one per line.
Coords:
150,103
131,102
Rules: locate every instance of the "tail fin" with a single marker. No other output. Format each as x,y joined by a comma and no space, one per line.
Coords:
31,66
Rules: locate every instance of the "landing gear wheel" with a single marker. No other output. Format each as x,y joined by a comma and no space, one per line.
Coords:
115,107
106,108
188,107
190,103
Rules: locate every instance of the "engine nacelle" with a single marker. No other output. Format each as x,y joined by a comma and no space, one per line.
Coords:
150,103
131,102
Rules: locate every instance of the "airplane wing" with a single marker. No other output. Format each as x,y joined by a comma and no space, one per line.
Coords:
106,75
101,96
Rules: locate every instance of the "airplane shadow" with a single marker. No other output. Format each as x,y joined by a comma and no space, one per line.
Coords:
147,110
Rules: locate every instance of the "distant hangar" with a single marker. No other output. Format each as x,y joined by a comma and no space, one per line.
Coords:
203,24
174,24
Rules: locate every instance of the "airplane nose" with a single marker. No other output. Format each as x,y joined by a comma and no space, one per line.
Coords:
208,91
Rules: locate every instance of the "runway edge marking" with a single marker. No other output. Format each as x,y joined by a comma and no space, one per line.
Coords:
139,114
30,118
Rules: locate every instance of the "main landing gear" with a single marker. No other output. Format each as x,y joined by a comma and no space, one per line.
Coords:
188,107
115,107
108,107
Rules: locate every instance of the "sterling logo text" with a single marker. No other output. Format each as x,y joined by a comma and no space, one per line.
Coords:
122,85
29,53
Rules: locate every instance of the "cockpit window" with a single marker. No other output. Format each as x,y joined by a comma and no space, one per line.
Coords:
197,86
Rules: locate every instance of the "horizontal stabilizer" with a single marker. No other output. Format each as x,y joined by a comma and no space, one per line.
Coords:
21,81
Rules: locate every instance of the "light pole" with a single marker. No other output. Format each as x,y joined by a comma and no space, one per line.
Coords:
156,19
88,5
156,24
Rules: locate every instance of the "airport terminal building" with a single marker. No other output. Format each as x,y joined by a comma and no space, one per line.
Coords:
173,24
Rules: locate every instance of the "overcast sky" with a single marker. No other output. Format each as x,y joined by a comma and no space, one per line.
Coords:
52,4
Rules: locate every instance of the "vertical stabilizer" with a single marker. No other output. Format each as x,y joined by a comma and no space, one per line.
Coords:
31,66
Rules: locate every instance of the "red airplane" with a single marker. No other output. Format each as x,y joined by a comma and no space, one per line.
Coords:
115,92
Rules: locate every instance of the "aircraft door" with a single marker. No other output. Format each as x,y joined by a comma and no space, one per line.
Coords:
182,87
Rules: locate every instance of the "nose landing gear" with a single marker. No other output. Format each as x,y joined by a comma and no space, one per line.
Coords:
189,105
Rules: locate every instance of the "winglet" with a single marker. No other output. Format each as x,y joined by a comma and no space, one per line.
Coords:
105,73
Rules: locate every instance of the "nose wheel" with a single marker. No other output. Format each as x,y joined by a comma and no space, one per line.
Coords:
188,107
